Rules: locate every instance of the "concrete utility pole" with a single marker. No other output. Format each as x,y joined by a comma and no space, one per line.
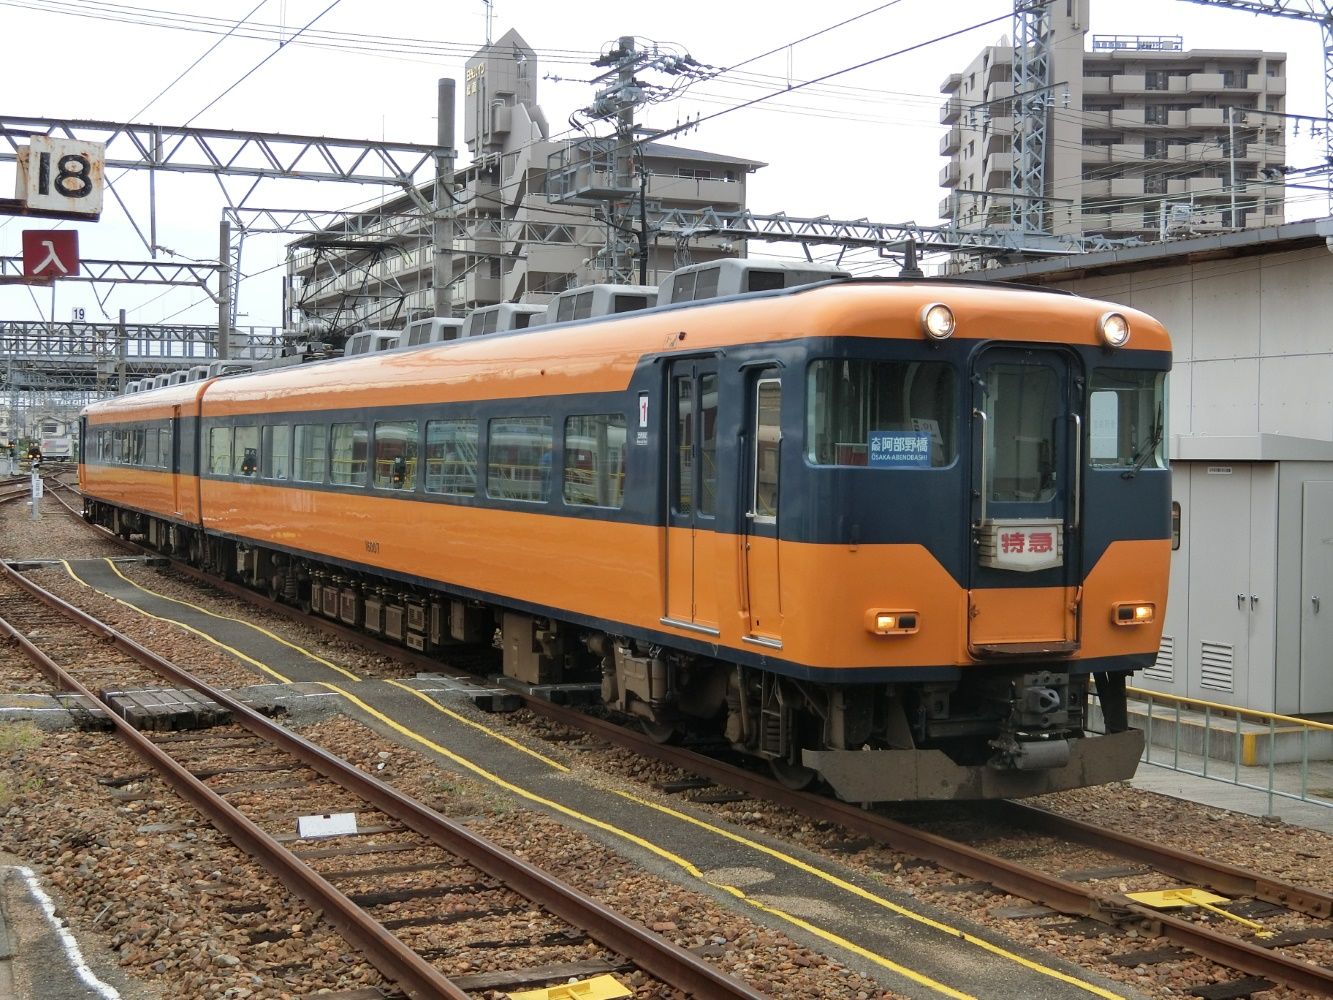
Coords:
622,261
443,225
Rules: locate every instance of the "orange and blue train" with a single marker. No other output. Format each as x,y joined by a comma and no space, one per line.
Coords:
886,534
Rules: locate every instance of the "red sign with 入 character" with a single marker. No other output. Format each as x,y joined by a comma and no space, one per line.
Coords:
50,253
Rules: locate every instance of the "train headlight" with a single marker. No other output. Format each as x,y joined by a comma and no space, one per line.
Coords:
937,321
884,622
1133,613
1113,328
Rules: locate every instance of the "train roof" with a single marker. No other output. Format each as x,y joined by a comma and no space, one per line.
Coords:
602,353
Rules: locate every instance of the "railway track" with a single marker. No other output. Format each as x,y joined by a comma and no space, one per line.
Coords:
492,881
1232,944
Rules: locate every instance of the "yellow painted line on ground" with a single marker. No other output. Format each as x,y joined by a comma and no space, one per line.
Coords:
731,890
236,621
513,744
171,621
871,897
675,859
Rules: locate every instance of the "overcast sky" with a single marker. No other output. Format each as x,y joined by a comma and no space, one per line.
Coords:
865,144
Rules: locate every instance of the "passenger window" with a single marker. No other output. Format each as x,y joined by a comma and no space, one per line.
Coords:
150,451
164,448
247,450
310,448
396,454
595,460
519,458
219,451
348,466
451,457
275,452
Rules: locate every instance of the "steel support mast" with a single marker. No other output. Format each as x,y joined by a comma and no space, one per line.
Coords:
1320,12
1031,108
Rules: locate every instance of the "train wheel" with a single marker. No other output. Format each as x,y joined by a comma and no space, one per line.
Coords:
660,732
797,777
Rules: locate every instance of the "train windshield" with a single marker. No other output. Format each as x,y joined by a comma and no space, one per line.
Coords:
882,414
1126,419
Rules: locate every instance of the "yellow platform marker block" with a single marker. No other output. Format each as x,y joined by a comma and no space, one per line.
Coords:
1169,899
597,988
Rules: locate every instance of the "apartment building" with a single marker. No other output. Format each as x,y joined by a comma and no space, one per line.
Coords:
1144,138
518,236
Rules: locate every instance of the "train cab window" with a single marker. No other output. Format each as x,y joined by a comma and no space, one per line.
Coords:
219,451
1126,414
886,414
350,449
518,458
396,454
275,451
595,460
309,449
451,457
247,450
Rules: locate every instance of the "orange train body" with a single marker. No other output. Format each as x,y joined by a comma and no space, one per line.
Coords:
795,488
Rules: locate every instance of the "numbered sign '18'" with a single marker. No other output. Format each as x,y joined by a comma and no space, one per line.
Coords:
63,175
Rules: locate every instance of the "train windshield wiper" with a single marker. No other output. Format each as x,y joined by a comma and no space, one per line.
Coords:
1145,452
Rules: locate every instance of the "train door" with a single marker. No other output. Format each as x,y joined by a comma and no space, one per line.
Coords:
691,570
763,467
176,459
1027,435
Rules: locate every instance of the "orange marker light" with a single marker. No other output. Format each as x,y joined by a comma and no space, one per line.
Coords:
882,622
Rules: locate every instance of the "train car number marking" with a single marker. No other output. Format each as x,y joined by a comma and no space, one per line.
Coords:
372,547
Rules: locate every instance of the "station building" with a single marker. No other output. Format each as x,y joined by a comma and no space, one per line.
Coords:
1144,138
1249,620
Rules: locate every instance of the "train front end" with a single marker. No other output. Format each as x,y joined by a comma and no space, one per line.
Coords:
988,499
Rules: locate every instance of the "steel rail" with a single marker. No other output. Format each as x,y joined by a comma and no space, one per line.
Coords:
651,952
1063,896
1218,875
1066,897
389,955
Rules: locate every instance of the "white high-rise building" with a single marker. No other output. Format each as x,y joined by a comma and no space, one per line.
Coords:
1144,139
